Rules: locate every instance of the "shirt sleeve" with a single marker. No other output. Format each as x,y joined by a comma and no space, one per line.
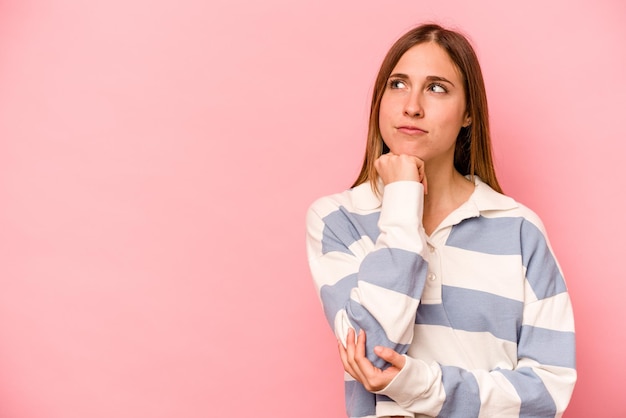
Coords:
542,381
370,284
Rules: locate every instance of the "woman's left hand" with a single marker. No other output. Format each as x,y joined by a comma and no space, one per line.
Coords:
361,369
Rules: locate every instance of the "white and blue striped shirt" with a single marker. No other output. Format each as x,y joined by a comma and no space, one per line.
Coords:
479,307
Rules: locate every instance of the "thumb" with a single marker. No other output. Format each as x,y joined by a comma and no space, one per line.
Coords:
390,356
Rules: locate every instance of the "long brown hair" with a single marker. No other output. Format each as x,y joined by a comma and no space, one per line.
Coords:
472,153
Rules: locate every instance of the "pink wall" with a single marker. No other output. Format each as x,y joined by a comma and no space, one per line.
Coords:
157,158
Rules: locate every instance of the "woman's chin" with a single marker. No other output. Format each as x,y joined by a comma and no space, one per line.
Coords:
408,151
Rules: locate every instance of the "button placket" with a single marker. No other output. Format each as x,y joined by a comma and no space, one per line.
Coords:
432,287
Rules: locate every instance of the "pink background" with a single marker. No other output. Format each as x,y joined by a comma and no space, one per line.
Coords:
157,158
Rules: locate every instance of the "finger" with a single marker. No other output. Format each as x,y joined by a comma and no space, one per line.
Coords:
350,351
360,344
378,164
344,360
383,157
381,160
365,366
390,356
421,169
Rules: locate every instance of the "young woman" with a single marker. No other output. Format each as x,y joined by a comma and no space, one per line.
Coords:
443,293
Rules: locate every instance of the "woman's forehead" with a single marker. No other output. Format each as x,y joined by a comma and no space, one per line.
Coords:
427,59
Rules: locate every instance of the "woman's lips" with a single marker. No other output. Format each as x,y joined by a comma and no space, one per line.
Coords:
411,130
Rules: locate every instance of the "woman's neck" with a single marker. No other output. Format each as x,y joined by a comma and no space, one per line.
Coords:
447,190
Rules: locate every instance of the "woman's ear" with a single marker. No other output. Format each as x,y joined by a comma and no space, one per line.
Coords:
467,122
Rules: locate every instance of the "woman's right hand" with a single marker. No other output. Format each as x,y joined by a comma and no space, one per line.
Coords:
392,167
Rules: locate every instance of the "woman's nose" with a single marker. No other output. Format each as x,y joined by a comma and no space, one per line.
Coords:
413,105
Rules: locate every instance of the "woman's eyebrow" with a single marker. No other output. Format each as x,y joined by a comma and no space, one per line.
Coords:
428,78
399,75
438,78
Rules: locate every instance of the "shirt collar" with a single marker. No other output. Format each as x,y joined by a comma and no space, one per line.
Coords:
484,198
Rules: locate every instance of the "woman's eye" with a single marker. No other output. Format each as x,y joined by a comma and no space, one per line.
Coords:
397,84
437,88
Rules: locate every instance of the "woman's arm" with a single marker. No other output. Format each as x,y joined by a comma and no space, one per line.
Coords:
370,284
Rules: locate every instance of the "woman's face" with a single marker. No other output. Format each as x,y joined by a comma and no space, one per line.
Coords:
423,106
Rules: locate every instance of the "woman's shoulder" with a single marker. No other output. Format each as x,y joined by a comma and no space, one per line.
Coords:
495,204
359,199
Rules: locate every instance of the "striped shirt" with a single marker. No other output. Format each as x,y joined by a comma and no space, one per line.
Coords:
479,307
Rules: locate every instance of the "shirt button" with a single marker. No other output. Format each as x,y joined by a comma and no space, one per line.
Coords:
432,277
